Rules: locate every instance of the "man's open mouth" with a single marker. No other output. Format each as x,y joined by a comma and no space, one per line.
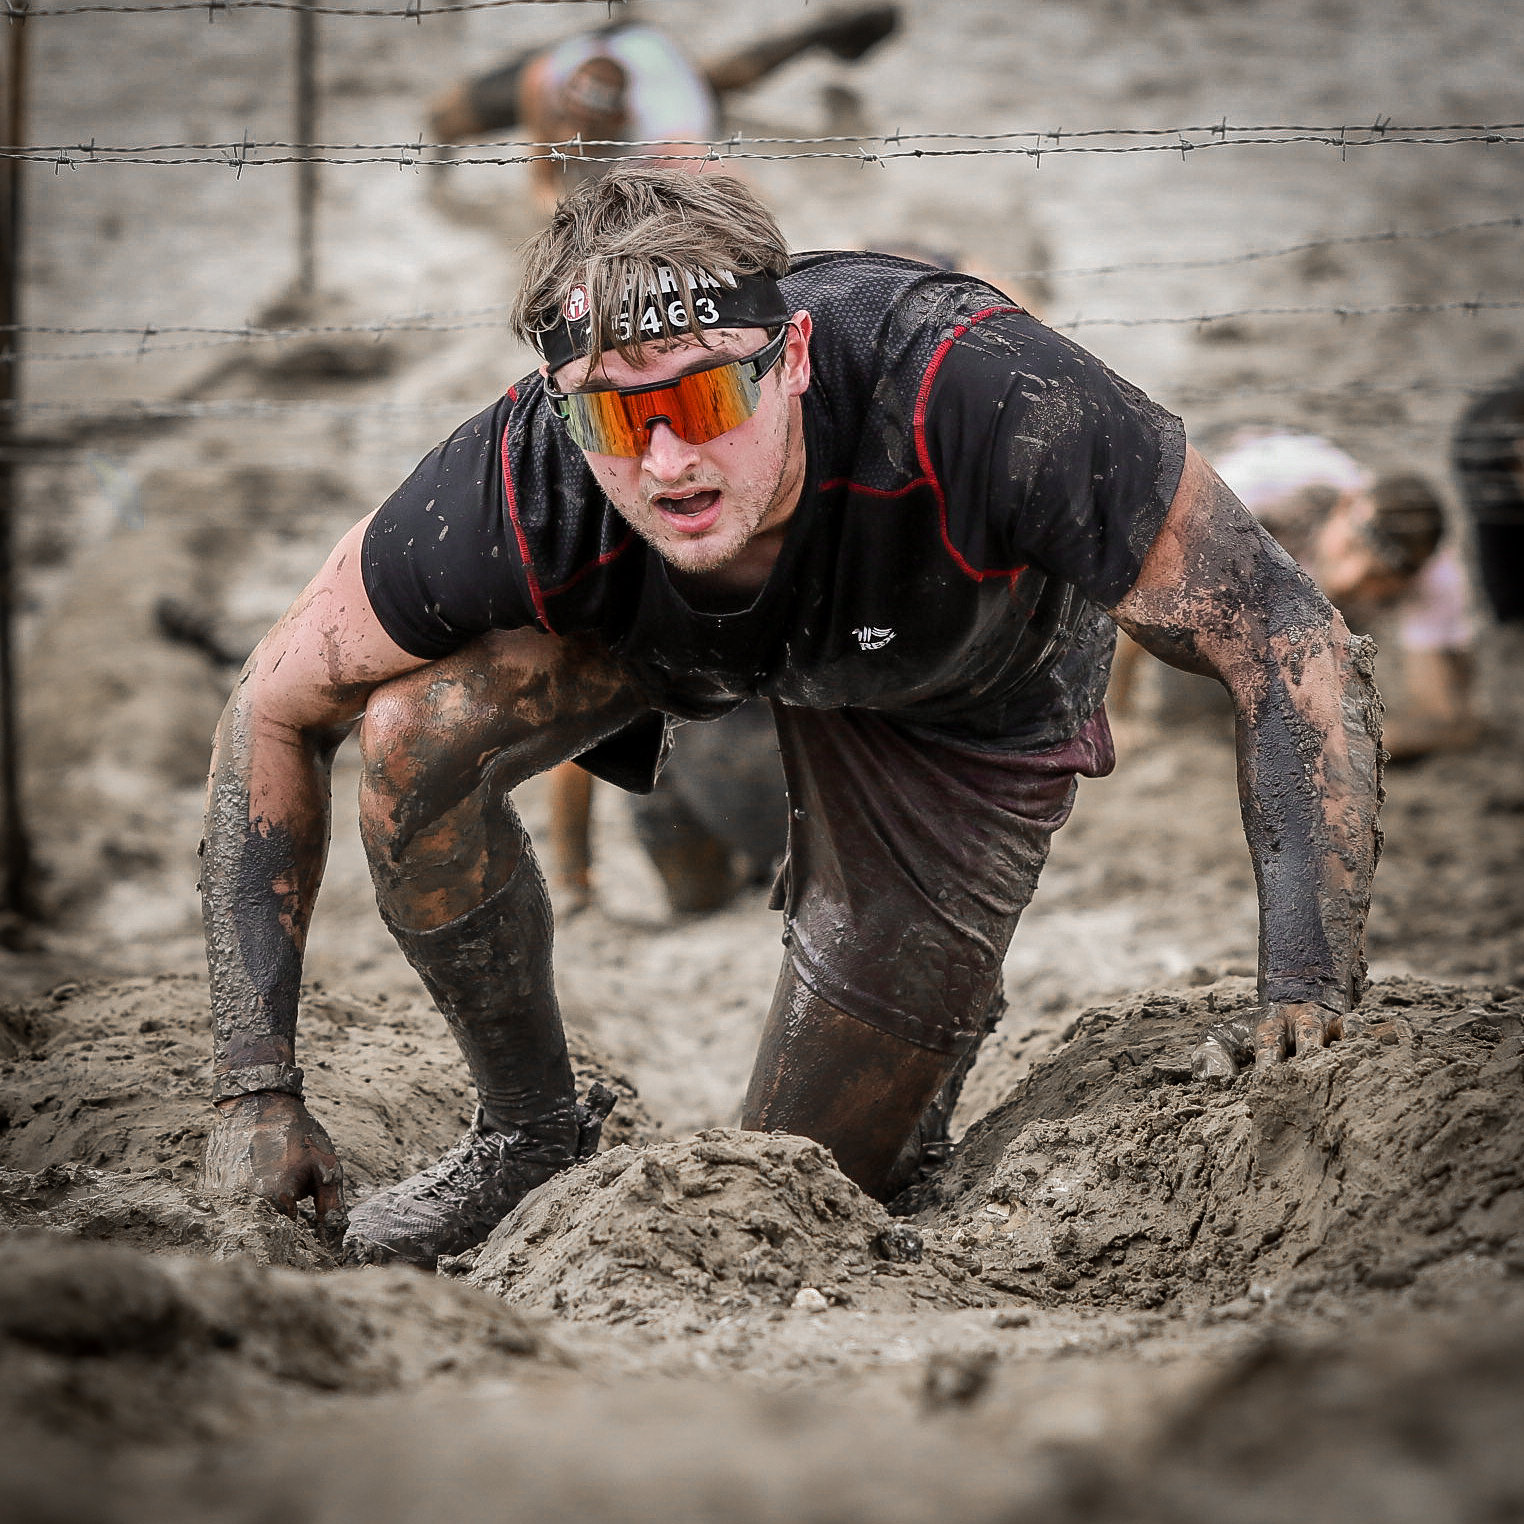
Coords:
690,505
690,513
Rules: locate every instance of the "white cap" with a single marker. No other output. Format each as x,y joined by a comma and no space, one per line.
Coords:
1263,466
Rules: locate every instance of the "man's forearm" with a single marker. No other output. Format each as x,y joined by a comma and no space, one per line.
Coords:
264,849
1309,756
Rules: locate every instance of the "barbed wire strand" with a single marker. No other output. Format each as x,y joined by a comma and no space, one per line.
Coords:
411,157
1251,256
451,319
898,138
145,349
1471,305
414,10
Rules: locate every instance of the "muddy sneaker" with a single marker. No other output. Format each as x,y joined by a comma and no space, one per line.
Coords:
453,1205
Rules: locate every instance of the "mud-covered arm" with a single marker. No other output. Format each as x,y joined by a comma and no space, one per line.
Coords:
1218,596
266,837
264,848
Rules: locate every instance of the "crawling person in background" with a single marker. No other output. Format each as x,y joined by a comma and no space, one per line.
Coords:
1376,547
1382,548
880,496
627,83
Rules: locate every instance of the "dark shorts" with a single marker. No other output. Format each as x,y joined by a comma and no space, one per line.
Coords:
911,860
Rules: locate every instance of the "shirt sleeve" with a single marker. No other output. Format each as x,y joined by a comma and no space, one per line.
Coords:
439,559
1046,458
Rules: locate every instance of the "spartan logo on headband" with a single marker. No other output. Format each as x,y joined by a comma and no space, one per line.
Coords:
680,303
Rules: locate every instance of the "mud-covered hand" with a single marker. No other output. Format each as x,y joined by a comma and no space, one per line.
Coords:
1226,1047
1299,1029
269,1144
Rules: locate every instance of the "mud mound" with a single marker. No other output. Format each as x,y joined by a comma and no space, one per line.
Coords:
115,1076
687,1232
1110,1176
112,1346
155,1213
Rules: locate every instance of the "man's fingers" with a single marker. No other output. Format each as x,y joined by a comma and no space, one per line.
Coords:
1309,1031
1321,1028
328,1197
1271,1042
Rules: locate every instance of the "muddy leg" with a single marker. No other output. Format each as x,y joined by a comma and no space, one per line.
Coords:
694,864
458,885
930,1144
571,819
825,1075
847,34
910,862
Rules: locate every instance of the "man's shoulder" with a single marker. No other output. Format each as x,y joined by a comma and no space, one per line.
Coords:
879,319
869,289
513,463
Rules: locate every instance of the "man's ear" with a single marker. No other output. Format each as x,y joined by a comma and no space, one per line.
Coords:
796,355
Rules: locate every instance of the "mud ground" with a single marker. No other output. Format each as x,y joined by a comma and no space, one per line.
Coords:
1130,1296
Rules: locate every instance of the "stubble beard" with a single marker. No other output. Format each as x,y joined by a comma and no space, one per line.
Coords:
715,551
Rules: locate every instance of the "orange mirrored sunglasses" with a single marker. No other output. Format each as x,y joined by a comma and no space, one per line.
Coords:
698,406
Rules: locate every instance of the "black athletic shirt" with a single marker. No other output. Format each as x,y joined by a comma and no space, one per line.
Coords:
978,489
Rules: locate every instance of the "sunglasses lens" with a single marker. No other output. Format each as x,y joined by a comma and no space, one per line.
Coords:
699,407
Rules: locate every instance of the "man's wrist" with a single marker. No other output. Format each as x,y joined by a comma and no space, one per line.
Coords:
1332,1000
251,1079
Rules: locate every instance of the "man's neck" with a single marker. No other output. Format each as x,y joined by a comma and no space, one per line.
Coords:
736,584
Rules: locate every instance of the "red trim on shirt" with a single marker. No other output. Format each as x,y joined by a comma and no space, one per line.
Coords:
923,454
851,486
518,529
592,566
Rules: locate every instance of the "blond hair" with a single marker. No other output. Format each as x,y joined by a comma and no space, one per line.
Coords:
613,234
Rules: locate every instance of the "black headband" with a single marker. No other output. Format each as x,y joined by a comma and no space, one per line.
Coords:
723,300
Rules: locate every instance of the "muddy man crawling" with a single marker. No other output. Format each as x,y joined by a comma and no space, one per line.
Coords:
880,496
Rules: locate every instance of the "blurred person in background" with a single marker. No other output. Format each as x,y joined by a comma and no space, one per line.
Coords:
626,84
1487,454
1383,550
1376,546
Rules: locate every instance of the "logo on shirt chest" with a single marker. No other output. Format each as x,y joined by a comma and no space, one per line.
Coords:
871,638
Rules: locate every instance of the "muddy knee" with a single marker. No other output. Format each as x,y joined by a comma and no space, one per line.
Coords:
509,705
